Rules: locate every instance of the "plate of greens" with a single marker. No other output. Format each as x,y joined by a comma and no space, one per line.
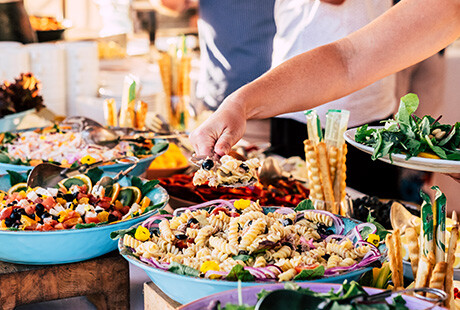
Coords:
303,296
410,141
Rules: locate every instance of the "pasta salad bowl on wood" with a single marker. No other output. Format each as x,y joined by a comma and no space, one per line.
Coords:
207,248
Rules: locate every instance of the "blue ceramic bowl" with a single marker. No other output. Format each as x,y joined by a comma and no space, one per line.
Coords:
185,289
71,245
141,167
249,296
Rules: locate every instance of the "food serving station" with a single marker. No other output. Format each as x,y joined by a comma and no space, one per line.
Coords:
104,203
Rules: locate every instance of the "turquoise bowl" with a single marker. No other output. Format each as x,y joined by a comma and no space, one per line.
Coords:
70,245
141,166
185,289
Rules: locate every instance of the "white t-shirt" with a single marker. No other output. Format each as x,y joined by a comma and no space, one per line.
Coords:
302,25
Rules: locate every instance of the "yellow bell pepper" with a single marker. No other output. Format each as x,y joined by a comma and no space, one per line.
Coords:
209,265
142,233
374,239
242,204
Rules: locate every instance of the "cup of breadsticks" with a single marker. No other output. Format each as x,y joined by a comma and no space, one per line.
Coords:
325,158
431,256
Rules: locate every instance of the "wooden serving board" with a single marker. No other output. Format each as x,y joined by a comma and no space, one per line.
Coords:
155,299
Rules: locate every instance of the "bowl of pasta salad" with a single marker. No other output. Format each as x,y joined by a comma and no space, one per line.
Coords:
72,221
207,248
22,150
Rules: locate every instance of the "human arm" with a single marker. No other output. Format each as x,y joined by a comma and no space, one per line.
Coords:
408,33
173,6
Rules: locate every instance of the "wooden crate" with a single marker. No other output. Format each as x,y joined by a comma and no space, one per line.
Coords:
155,299
104,280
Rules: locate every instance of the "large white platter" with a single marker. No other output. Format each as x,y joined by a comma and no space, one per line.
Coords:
416,163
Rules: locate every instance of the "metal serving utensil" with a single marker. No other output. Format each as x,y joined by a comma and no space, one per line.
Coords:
213,163
270,172
48,175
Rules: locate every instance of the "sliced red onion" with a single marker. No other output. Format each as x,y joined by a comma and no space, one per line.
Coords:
310,244
277,267
227,203
338,237
268,272
151,220
215,272
256,273
338,223
284,210
155,263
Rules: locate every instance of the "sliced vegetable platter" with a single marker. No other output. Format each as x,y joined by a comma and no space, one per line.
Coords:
185,284
79,226
410,141
17,154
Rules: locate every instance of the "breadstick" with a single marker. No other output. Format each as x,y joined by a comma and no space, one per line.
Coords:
334,160
398,256
316,191
391,256
425,266
437,277
326,182
414,250
110,112
141,114
449,282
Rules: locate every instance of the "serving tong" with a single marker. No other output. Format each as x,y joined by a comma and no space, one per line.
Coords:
294,300
48,175
213,163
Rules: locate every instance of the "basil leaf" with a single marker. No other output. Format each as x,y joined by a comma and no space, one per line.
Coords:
309,274
183,270
242,257
381,231
148,186
408,105
85,225
4,159
239,273
114,235
305,204
95,174
16,178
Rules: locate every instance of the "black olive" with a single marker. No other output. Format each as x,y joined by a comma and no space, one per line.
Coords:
243,252
54,217
69,197
244,167
15,216
9,222
22,211
181,236
39,209
156,233
99,211
207,164
326,256
287,222
11,204
112,218
39,195
44,215
192,221
16,225
60,195
32,216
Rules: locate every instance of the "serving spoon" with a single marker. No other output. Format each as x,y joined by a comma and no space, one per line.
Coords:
270,172
48,175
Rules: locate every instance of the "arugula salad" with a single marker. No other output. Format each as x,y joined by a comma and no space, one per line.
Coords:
411,135
336,300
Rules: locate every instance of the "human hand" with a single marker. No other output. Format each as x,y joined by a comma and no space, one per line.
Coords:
221,130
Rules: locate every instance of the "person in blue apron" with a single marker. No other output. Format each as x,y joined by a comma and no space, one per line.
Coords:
236,44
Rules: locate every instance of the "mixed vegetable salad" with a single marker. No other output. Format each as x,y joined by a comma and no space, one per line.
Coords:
60,145
411,135
77,202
